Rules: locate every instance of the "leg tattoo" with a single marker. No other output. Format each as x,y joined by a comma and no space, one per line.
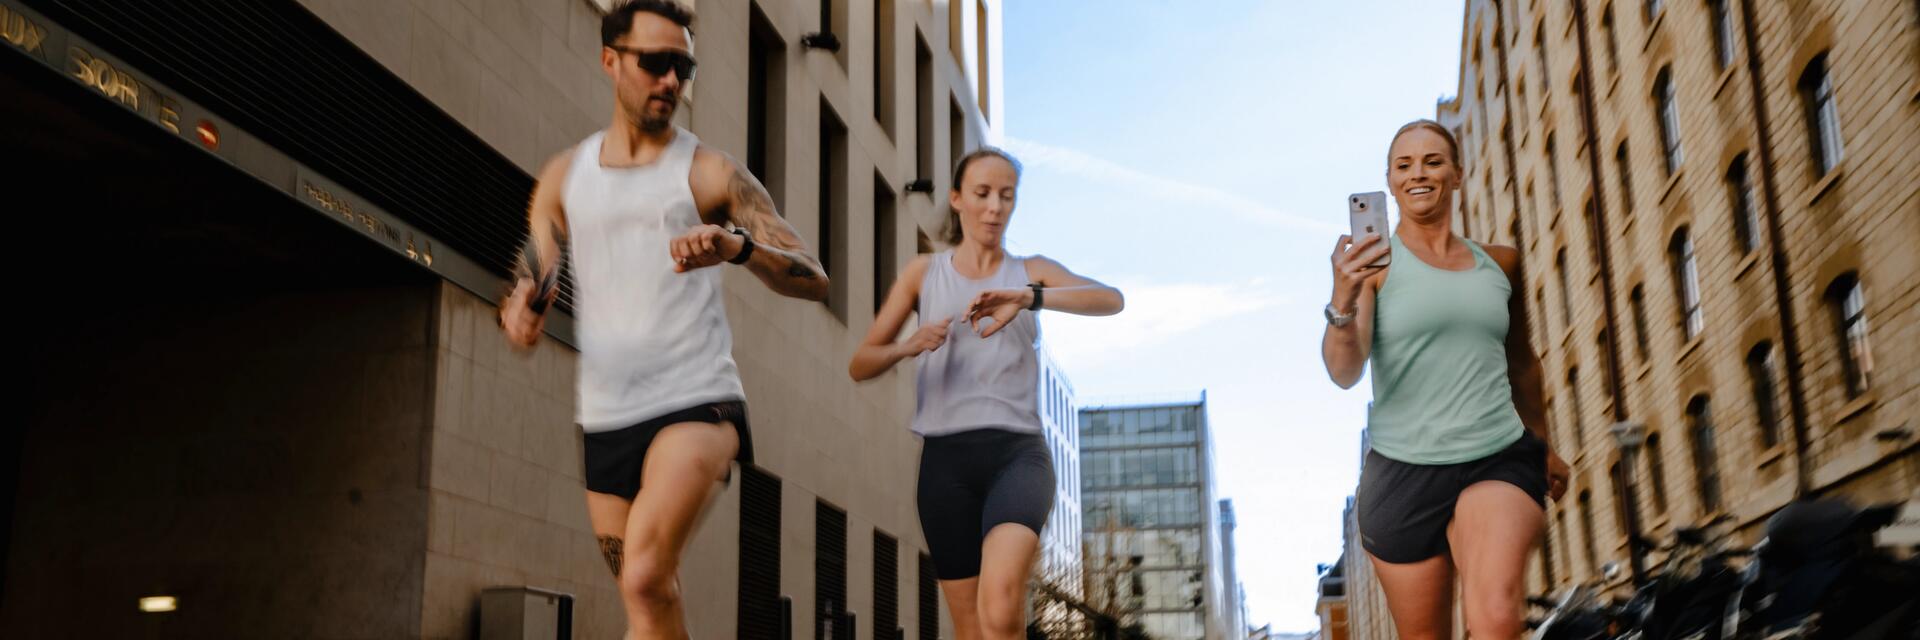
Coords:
610,547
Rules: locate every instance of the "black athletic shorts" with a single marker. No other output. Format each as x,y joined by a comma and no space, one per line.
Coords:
1404,508
614,457
971,482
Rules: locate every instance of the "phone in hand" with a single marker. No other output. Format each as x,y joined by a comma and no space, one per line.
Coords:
1367,213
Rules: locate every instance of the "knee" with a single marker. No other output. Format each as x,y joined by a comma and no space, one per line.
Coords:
1495,620
648,578
1002,609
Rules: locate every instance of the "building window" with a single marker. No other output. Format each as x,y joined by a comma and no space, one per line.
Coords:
1760,373
1637,300
1540,309
886,255
1578,419
955,43
1686,284
981,71
883,65
1665,100
1540,50
922,108
1592,546
1622,165
1656,473
1706,465
1566,556
830,620
956,135
1823,119
1553,172
1522,111
1850,319
1722,33
833,203
1746,216
1610,39
1566,290
1604,351
766,106
833,20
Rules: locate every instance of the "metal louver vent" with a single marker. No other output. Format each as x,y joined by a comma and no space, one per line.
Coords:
281,73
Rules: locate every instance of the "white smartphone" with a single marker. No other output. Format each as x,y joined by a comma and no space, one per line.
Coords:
1367,213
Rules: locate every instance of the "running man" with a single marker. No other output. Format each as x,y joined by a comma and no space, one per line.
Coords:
644,209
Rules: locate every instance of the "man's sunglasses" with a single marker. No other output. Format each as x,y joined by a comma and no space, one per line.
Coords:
659,63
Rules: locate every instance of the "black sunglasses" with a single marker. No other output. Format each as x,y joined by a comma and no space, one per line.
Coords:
660,62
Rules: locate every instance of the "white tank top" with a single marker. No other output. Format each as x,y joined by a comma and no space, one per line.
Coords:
972,382
651,341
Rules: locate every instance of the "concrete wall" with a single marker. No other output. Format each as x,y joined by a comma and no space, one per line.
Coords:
261,459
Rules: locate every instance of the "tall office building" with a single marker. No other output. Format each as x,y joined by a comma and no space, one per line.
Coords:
1151,525
1060,565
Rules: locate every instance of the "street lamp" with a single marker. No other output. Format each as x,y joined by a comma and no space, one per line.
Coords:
1630,437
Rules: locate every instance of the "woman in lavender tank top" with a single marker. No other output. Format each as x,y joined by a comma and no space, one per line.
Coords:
986,479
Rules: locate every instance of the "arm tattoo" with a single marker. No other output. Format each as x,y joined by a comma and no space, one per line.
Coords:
610,547
753,209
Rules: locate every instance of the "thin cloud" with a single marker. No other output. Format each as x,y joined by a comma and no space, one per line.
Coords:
1155,315
1106,171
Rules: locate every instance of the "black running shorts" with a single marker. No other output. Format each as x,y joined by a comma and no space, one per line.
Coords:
1404,508
614,458
971,482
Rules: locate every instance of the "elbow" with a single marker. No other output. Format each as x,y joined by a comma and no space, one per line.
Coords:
819,288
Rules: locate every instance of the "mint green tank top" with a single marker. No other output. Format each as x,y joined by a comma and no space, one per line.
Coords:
1439,359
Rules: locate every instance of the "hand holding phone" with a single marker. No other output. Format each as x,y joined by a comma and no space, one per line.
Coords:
1367,214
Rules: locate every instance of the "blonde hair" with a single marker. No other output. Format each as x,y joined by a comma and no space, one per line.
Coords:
1453,146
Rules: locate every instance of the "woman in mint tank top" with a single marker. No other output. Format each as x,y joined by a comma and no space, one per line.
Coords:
1456,481
986,476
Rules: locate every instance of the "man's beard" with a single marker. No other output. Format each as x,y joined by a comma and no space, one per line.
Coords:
648,120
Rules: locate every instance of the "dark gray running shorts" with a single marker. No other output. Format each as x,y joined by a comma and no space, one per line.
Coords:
1404,508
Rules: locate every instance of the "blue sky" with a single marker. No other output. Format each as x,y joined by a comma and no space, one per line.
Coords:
1197,154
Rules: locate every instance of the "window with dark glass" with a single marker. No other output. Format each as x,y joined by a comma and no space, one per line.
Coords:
883,65
1553,172
1566,290
1591,543
1706,463
1637,301
1850,319
1610,39
1656,472
1625,168
832,233
1746,216
766,105
1686,284
922,108
1540,50
1578,418
830,573
1667,103
1722,27
1823,119
1766,409
886,585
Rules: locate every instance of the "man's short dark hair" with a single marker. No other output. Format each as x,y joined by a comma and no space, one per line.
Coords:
620,20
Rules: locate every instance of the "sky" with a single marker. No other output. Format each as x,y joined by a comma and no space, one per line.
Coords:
1197,155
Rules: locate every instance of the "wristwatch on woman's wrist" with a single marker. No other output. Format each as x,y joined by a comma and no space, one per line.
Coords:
1337,319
